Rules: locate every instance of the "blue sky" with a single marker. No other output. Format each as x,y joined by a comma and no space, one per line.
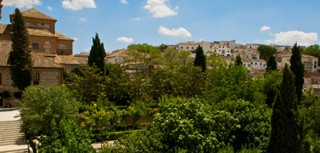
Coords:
123,22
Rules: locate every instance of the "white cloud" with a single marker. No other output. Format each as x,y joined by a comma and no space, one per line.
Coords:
293,36
125,40
21,3
265,28
49,8
160,8
78,4
123,1
180,32
83,19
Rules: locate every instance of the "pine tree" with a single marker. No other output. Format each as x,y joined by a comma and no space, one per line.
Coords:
97,54
20,58
297,68
285,134
238,61
271,63
200,59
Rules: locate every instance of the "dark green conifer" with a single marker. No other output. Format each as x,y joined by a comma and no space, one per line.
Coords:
20,58
200,59
97,54
238,61
286,132
271,63
297,68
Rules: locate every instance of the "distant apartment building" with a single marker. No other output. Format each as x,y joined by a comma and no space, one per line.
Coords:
220,49
310,62
192,46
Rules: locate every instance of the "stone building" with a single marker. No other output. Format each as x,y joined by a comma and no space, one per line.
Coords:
51,54
45,72
43,37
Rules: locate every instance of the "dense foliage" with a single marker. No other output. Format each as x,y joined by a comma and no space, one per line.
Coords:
20,58
266,51
43,106
160,102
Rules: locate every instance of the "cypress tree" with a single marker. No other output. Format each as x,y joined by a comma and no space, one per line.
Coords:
285,134
200,59
271,63
297,68
238,61
1,9
97,54
19,57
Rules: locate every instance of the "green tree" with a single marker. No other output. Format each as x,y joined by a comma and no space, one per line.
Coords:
271,63
286,130
238,61
87,84
313,50
41,105
253,129
19,57
297,68
271,86
200,59
266,51
97,54
66,136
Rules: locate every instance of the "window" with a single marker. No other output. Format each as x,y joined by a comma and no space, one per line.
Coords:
35,46
36,79
255,63
187,47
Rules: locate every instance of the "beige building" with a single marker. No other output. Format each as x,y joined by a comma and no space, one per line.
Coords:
310,62
43,37
51,54
45,72
192,46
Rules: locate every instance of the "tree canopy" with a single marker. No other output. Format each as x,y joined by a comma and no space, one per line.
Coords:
266,51
271,63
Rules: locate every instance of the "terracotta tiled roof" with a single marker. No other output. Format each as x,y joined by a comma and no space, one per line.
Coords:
33,13
63,37
5,29
43,62
38,60
70,59
38,32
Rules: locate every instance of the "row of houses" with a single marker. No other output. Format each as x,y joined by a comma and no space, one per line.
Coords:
249,54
